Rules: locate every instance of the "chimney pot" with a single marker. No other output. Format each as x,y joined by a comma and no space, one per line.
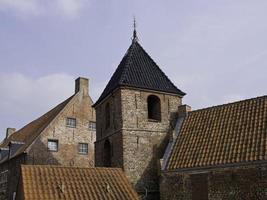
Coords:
82,85
9,132
183,110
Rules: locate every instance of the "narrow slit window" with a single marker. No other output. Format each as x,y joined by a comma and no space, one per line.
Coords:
107,117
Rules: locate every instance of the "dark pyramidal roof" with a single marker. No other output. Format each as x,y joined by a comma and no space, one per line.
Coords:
137,69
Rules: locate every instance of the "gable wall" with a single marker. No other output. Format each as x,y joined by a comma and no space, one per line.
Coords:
68,138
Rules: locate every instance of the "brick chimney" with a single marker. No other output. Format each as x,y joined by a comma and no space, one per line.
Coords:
9,132
183,110
82,85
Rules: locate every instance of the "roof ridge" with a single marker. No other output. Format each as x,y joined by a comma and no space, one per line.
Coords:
160,69
228,104
45,114
137,69
29,138
129,53
71,167
113,77
45,125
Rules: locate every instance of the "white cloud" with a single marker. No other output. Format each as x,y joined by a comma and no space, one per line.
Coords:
24,99
70,8
21,6
65,8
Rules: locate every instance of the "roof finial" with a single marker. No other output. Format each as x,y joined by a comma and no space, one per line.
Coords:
135,38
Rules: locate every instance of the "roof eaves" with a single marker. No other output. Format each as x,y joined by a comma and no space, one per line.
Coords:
149,89
127,64
107,90
221,166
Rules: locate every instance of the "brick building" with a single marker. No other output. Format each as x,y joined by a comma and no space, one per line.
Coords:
63,136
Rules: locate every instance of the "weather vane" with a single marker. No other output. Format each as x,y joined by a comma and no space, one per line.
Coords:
135,38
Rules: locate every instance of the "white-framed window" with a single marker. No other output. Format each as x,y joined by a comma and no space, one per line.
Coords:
92,126
52,145
83,148
71,122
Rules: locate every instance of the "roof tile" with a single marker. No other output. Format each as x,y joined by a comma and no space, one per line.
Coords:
224,134
137,69
59,182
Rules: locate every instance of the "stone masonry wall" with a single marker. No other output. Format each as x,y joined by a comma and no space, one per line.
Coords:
68,138
112,133
137,142
175,187
116,148
239,183
13,167
114,100
144,140
3,180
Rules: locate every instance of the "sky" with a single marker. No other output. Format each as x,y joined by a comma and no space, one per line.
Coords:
214,50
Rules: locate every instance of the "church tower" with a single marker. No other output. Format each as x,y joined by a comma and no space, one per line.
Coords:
134,115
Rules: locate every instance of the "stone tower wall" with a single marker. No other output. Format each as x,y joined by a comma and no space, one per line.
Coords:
137,142
113,133
144,140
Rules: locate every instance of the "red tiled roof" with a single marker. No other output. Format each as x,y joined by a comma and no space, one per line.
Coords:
225,134
58,182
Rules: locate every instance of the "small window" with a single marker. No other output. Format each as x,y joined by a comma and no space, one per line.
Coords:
83,148
71,122
107,113
153,108
92,126
52,145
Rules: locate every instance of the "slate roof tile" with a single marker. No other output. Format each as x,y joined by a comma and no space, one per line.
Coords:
137,69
